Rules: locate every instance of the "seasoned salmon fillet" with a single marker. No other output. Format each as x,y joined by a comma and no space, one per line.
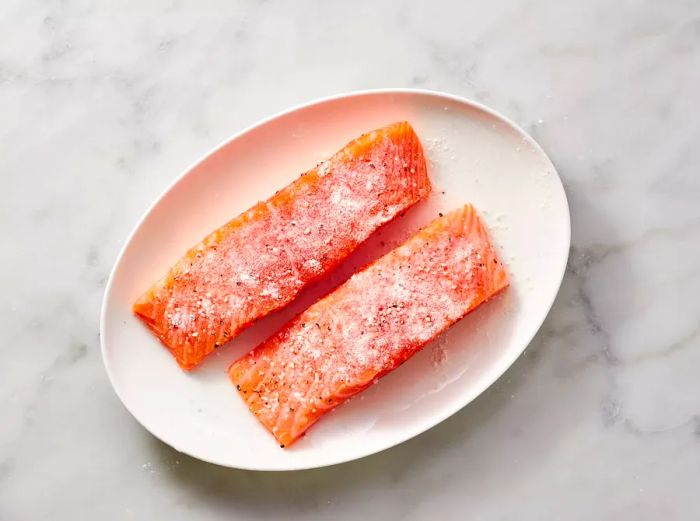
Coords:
259,261
370,325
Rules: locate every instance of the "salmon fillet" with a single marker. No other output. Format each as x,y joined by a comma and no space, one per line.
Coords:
370,325
259,261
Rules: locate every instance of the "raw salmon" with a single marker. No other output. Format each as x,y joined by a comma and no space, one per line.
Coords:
259,261
370,325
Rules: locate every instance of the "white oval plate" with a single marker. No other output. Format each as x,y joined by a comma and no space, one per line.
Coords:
474,154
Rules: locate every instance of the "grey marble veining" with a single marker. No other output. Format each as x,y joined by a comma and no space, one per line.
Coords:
100,109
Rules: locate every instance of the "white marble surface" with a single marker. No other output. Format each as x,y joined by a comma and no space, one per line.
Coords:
100,109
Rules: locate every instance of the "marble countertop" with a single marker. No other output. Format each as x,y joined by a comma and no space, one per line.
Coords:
101,109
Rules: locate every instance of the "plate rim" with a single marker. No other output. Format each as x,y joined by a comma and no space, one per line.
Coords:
496,373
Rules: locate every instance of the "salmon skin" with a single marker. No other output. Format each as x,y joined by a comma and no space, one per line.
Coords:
370,325
259,261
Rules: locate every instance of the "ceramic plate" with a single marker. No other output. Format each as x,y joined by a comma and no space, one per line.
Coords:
474,155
